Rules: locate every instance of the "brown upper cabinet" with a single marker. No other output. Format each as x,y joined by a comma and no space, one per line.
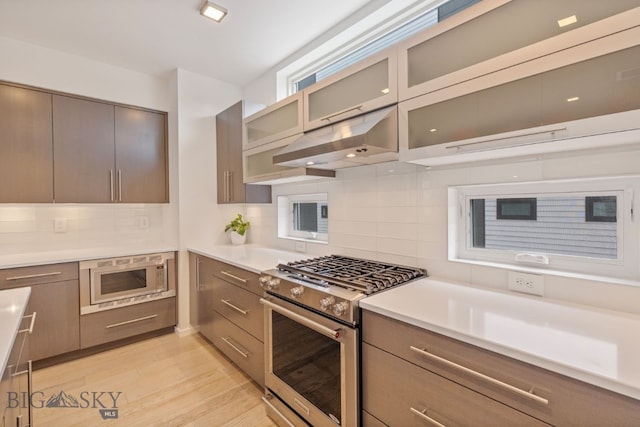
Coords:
105,153
231,188
26,147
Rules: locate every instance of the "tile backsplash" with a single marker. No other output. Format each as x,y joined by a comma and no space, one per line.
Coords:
398,212
32,228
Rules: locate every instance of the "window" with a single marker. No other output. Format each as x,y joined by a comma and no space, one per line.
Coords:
568,227
402,31
304,217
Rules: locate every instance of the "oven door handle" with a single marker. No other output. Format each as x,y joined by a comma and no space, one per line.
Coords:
328,332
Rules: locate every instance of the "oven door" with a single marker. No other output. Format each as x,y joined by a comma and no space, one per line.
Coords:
311,363
118,282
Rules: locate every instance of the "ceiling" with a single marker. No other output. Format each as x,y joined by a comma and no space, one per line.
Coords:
157,36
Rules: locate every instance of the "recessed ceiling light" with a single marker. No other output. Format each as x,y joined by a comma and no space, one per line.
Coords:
433,130
350,155
567,21
213,11
385,90
310,163
575,98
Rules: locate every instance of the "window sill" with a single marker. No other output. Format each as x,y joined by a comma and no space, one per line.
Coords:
302,239
550,272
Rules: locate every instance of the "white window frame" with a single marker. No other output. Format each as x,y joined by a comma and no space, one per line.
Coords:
625,269
286,229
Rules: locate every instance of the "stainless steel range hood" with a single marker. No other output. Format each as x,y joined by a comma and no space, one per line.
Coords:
367,139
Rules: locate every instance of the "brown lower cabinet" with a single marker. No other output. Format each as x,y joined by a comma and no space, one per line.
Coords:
112,325
56,302
403,385
229,313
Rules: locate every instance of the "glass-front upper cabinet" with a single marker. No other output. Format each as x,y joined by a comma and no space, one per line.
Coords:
591,89
367,85
275,122
479,39
260,169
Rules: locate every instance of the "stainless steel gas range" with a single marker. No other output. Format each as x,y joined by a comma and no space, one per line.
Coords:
312,338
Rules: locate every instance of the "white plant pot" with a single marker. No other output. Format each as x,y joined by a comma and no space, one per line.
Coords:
237,239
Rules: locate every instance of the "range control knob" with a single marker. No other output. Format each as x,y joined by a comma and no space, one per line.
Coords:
273,284
297,291
327,302
268,282
340,308
264,281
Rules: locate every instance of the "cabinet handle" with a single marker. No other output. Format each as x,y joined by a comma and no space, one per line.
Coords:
234,276
33,321
238,309
225,184
328,118
425,417
236,348
33,276
111,185
119,185
128,322
198,274
230,183
458,147
509,387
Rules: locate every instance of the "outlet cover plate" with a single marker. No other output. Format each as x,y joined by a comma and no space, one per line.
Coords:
526,282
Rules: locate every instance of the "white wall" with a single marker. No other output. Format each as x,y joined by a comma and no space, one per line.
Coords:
29,228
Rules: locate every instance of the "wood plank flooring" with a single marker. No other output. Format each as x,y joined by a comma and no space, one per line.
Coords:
164,381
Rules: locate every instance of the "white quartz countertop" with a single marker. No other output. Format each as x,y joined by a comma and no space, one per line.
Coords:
72,255
250,257
13,303
600,347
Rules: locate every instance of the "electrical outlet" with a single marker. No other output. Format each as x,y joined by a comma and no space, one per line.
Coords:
60,225
526,282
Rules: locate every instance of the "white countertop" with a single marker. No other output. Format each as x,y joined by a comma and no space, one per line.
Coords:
72,255
250,257
13,303
600,347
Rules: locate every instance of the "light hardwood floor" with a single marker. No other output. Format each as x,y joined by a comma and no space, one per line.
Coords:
164,381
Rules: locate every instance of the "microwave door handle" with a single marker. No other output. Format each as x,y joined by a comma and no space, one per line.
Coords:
328,332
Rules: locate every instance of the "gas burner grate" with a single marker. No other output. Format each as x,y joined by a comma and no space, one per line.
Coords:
352,273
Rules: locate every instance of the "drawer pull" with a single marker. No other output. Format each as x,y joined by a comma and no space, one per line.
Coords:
238,309
425,417
235,347
329,118
34,276
527,394
128,322
266,399
240,279
33,322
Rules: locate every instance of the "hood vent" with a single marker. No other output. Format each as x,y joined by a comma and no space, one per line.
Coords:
367,139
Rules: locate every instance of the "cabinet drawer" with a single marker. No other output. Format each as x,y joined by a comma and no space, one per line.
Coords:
27,276
112,325
240,307
399,393
243,349
236,275
569,401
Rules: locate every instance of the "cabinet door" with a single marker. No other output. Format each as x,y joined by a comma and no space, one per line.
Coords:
368,85
26,147
84,158
141,156
57,328
278,121
206,280
231,187
477,38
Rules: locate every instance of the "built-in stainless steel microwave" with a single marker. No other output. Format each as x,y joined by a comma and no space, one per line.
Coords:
116,282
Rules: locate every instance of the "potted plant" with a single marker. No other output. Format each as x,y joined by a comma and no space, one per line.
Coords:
238,228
